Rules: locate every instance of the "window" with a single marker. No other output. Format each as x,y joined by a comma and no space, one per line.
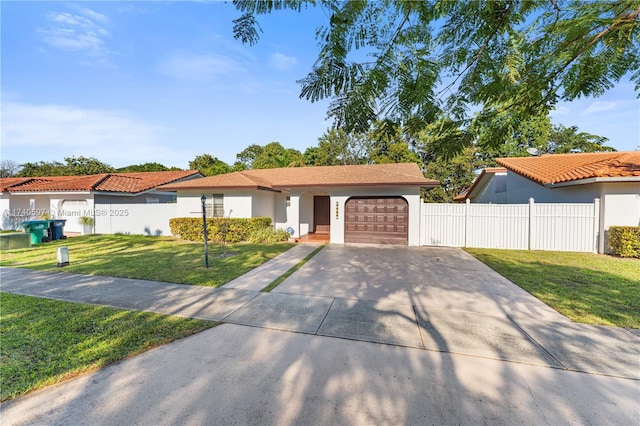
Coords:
153,200
218,205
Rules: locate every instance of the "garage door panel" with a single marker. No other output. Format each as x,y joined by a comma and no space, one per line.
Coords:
377,220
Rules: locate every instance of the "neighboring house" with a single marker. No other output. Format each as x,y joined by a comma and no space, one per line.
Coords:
612,177
356,203
70,197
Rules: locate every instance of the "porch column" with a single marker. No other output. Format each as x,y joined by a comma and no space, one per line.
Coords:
293,214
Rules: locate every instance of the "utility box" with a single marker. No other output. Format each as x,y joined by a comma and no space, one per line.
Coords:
63,256
15,241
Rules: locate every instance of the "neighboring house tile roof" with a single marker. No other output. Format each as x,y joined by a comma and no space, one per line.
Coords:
105,182
403,174
553,169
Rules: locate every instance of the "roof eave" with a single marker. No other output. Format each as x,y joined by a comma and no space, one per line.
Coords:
356,185
60,192
592,180
210,187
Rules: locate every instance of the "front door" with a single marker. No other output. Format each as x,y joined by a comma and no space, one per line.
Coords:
321,214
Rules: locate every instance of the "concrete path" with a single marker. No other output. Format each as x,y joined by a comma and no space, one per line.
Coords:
259,278
446,336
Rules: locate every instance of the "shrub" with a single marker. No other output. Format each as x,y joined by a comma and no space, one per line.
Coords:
625,240
268,235
239,229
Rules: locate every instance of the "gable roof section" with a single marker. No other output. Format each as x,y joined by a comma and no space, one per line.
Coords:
132,183
553,169
403,174
480,181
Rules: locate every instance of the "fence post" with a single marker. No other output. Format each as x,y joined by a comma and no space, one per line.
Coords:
531,230
467,214
598,237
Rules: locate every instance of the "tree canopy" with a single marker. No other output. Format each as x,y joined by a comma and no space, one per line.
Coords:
147,167
209,165
415,63
73,166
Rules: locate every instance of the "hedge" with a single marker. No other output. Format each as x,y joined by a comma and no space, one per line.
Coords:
625,240
240,229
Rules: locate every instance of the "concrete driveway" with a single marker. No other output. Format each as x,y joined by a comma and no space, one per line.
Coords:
439,278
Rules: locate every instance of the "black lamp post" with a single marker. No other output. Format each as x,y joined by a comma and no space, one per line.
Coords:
203,199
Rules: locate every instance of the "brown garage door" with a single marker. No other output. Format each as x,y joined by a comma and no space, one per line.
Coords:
377,220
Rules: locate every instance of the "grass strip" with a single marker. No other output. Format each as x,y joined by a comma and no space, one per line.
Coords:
587,288
165,259
47,341
291,270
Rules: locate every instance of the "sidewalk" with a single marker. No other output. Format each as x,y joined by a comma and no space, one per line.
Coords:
563,345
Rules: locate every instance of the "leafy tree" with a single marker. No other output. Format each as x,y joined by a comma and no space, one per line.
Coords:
274,155
209,165
73,166
567,139
337,147
8,168
86,166
415,63
147,167
248,156
455,175
42,168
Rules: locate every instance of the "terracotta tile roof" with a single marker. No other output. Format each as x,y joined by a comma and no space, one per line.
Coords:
405,174
557,168
105,182
6,183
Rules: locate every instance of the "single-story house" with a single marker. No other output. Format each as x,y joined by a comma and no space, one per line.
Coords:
70,197
372,203
612,177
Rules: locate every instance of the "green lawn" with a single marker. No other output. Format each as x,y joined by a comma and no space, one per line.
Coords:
151,258
45,341
587,288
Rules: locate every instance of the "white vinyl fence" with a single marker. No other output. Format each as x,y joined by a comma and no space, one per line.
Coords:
557,227
149,219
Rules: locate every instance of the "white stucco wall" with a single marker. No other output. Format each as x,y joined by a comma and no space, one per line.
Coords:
299,214
71,207
238,202
263,204
5,210
619,206
280,210
520,189
494,191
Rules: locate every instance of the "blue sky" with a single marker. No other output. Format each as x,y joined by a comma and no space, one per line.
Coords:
135,82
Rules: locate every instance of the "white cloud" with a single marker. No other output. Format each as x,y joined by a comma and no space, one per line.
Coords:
600,106
49,132
82,31
282,62
200,67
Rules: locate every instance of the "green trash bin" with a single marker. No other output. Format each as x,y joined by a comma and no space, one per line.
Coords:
39,230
